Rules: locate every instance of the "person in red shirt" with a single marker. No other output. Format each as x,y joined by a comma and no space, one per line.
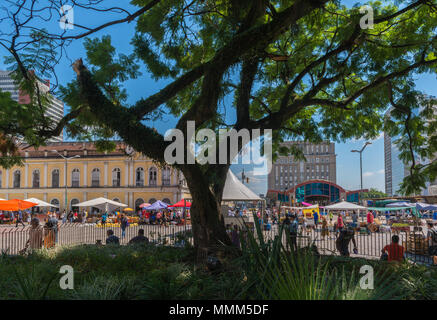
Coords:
340,223
369,217
394,250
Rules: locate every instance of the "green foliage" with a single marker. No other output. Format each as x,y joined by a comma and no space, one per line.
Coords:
373,193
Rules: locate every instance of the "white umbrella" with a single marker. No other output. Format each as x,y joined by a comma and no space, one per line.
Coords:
100,202
41,203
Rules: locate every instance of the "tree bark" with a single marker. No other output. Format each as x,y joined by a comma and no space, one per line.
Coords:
209,232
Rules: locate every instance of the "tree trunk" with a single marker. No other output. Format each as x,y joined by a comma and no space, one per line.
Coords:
207,222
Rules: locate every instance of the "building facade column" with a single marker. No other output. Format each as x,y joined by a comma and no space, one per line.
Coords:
7,179
65,175
126,174
131,199
85,196
126,198
105,174
131,174
26,174
45,175
85,174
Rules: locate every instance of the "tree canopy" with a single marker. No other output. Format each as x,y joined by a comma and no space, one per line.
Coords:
307,69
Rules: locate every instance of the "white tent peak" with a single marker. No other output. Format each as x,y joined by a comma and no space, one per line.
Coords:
41,203
344,205
234,190
100,202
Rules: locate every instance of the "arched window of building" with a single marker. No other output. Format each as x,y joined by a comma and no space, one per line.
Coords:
166,174
116,177
139,177
138,202
17,178
166,200
116,200
152,200
73,205
152,176
55,178
35,179
95,177
75,178
55,203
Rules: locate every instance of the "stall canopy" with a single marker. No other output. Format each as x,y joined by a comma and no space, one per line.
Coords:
157,205
16,205
400,204
181,204
41,203
426,206
145,204
101,203
344,205
234,190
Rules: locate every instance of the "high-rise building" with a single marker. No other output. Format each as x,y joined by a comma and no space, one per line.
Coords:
55,110
395,169
320,164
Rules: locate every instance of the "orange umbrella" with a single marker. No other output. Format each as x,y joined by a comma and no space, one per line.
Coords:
16,204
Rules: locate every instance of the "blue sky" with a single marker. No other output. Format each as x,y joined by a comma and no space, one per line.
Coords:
348,174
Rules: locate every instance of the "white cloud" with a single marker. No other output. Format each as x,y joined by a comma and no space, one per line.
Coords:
372,173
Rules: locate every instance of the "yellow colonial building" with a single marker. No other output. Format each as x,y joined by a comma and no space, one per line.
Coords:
80,171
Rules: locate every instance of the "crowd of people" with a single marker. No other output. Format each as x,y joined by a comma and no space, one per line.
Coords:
345,232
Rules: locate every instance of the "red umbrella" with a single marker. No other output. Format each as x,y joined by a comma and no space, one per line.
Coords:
16,204
181,204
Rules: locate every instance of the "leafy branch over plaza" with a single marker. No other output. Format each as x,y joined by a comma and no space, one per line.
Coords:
304,68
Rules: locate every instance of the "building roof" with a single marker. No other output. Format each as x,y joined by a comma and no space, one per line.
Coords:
70,148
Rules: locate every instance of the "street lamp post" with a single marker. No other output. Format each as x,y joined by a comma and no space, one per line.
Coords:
65,174
361,161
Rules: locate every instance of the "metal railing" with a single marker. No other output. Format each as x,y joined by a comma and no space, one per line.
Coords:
13,239
369,244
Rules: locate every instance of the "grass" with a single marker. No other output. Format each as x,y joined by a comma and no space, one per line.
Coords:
264,270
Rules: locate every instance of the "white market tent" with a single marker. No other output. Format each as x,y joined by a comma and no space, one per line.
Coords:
41,203
344,205
234,190
101,203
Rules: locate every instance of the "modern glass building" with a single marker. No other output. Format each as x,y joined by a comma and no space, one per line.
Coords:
55,110
395,169
322,192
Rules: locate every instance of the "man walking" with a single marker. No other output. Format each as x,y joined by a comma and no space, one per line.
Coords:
19,219
316,218
124,223
343,240
294,226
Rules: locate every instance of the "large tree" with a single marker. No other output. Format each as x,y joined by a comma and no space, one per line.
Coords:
307,69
